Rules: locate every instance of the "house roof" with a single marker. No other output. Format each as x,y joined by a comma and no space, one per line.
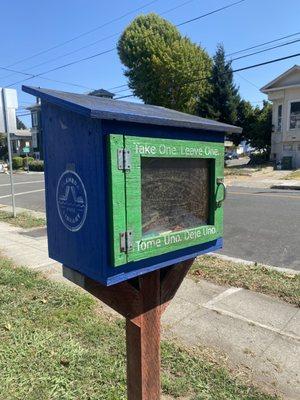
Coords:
103,108
22,133
281,81
101,93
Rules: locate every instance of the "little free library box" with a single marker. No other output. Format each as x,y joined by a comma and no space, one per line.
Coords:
130,188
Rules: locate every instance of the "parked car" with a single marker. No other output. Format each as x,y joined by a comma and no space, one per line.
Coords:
230,155
3,167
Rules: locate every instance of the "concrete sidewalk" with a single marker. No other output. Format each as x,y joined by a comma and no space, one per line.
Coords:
258,335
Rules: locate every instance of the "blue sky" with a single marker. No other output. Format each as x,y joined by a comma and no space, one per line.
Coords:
29,27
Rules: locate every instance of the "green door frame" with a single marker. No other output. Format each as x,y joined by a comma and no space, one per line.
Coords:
126,196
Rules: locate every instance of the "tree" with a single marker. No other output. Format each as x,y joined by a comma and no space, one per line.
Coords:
20,124
245,119
3,147
163,67
222,101
260,131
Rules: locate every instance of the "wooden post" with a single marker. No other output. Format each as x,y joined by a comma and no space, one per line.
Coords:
142,304
143,343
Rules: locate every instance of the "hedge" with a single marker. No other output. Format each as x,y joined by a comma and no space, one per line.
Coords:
36,165
17,162
30,159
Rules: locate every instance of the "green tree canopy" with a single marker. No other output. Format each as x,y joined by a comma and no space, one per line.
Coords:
163,67
257,125
260,129
221,102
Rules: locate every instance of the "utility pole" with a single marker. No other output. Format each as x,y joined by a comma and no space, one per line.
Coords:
7,131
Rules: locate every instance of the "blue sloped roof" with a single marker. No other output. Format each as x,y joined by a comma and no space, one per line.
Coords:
103,108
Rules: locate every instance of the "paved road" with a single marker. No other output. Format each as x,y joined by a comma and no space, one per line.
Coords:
261,225
29,189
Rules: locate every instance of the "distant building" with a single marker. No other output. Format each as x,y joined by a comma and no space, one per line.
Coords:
36,130
284,92
102,93
19,140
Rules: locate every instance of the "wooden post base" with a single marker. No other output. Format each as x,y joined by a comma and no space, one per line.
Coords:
143,343
142,302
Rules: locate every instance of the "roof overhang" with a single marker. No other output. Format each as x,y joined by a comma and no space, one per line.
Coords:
97,107
268,87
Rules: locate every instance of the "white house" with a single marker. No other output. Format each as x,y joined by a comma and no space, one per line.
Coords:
284,92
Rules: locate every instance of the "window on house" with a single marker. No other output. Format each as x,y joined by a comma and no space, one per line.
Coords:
279,118
295,115
287,147
34,117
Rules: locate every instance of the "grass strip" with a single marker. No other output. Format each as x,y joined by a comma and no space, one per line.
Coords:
293,175
57,344
253,277
23,220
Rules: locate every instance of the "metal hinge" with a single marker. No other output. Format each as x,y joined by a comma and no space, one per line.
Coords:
124,159
126,241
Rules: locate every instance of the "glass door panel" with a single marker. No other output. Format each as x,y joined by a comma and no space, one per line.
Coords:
175,194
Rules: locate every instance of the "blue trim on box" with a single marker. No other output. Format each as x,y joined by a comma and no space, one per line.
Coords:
158,263
140,267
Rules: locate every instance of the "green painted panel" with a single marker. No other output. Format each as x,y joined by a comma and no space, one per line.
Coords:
117,200
166,241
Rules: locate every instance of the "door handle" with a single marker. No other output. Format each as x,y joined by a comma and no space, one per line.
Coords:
220,182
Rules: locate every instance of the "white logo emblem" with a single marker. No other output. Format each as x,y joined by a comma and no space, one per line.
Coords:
71,201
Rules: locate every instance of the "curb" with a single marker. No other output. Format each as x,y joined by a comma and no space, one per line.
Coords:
287,271
286,187
8,208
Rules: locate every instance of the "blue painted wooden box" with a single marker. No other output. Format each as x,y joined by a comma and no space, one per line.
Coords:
130,188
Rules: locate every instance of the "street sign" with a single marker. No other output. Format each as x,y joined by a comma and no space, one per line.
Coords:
26,150
8,121
8,125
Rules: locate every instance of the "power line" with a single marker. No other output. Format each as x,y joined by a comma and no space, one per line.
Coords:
113,49
93,43
63,66
247,80
263,44
84,33
210,13
233,71
248,55
267,49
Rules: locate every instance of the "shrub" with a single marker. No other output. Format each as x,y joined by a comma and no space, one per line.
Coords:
30,159
36,165
259,158
17,162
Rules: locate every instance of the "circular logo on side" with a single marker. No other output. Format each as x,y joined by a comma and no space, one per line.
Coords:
71,201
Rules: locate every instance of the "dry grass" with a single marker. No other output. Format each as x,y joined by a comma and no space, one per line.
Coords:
257,278
23,220
293,175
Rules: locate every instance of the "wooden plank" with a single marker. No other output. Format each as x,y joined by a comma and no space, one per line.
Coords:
123,297
172,281
143,343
